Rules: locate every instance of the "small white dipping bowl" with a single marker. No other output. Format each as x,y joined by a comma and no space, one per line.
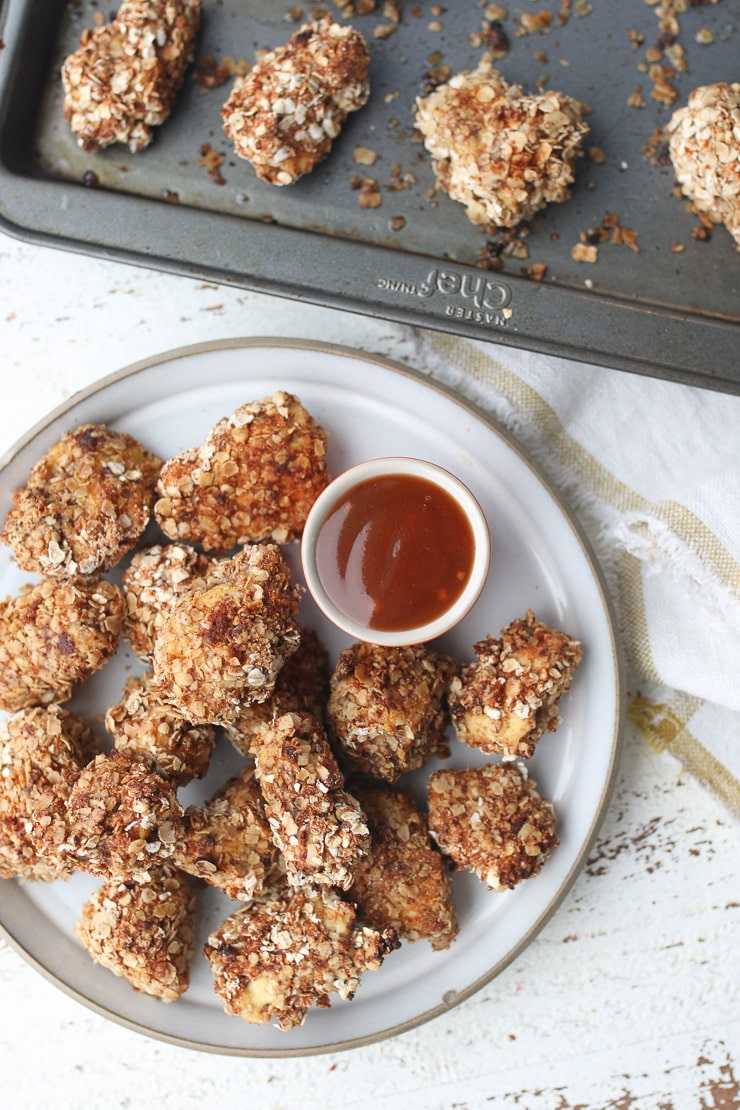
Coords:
337,490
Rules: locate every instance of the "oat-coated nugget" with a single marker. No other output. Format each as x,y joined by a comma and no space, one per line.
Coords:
285,113
41,753
318,826
145,727
506,701
255,478
387,708
53,636
124,77
402,882
152,583
227,842
142,931
121,820
222,647
275,959
85,504
492,821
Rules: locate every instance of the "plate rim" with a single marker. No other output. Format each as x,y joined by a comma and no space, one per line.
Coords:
452,998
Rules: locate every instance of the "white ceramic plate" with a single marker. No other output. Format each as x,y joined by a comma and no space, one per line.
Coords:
540,560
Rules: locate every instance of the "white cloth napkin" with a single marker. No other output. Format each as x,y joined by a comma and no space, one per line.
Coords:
652,470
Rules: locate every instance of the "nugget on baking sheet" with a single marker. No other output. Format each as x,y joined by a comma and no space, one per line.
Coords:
301,687
255,478
53,636
501,153
41,753
402,882
124,77
227,842
222,646
387,708
285,113
142,931
145,727
121,820
274,959
85,504
318,826
492,821
509,698
704,145
153,581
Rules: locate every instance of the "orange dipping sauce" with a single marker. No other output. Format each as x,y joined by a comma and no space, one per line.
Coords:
395,552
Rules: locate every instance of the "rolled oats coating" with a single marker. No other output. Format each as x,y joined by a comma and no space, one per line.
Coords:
152,583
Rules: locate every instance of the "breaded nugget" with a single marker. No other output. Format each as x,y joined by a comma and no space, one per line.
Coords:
387,707
145,727
301,687
85,504
121,820
402,882
41,753
222,647
227,842
506,701
153,581
275,959
492,821
142,931
124,77
285,113
254,479
318,826
53,636
502,154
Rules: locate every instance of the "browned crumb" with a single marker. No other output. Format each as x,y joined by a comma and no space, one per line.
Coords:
152,583
53,636
124,77
41,753
492,821
509,698
142,931
273,960
85,504
582,253
387,709
356,7
210,74
285,113
401,883
222,646
255,478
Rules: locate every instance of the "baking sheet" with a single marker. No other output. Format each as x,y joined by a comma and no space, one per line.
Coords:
671,309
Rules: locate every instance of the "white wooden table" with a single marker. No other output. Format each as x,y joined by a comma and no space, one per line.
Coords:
629,999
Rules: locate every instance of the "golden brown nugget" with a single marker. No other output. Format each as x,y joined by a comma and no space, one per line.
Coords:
42,751
124,77
85,504
316,824
143,932
145,727
387,710
53,636
501,153
122,820
492,821
227,842
285,113
222,647
152,583
402,882
254,479
506,701
275,959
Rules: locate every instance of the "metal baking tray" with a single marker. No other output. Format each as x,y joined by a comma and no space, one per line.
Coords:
416,258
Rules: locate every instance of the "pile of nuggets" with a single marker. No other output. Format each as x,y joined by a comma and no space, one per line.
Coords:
331,862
